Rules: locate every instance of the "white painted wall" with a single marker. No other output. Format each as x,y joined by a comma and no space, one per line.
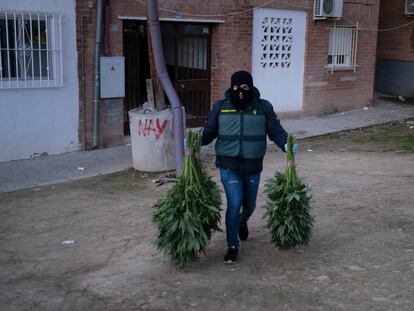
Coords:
278,57
34,121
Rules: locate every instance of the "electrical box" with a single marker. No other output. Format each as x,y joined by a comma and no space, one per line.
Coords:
112,77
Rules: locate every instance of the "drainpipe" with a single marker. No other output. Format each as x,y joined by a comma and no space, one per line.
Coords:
84,19
155,32
96,95
107,21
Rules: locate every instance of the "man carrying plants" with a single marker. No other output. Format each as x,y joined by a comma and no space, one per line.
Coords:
240,122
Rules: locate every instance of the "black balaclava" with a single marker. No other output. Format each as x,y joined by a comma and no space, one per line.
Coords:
239,78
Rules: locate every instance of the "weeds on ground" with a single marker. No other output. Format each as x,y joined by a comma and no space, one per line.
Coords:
389,137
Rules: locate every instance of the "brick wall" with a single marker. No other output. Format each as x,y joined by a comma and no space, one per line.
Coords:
109,134
85,74
323,92
343,90
397,44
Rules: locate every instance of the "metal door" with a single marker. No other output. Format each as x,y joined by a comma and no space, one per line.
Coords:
187,52
187,56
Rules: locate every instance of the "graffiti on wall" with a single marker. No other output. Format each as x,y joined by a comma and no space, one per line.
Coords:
150,126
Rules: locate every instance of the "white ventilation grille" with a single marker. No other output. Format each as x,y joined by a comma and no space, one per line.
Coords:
327,7
276,42
317,8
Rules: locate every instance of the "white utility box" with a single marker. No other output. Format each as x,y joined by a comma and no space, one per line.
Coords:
112,77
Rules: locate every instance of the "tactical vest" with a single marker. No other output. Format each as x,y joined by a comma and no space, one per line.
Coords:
241,133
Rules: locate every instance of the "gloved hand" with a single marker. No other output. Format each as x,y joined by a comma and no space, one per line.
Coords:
294,148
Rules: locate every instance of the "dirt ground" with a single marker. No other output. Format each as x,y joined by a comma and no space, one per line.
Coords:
361,256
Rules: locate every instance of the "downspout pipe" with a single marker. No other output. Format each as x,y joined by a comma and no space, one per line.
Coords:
96,96
84,19
155,32
107,21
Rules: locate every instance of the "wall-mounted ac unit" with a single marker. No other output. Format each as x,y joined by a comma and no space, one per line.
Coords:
409,7
327,9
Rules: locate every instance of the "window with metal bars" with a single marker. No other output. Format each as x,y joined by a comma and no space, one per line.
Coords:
30,50
342,52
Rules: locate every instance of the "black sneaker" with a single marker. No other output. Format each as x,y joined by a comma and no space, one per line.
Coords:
243,231
231,255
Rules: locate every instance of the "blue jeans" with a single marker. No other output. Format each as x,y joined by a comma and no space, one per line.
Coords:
241,191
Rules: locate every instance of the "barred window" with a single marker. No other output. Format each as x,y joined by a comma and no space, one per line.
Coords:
30,50
342,48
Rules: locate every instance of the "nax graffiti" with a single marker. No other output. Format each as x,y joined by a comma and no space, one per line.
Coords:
148,126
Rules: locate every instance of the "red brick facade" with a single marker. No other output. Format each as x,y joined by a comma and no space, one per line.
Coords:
397,44
323,92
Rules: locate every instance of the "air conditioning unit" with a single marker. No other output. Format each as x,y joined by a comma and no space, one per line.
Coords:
327,9
409,7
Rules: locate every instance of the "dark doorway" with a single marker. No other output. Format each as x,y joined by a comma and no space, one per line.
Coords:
187,54
136,67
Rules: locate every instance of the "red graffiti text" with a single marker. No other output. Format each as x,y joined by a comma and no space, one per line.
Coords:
148,126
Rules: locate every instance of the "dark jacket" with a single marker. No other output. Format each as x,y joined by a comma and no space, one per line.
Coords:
238,164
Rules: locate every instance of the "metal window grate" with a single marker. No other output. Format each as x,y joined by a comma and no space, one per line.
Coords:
30,50
343,43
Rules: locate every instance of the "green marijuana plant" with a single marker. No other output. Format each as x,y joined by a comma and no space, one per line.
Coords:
190,212
288,206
